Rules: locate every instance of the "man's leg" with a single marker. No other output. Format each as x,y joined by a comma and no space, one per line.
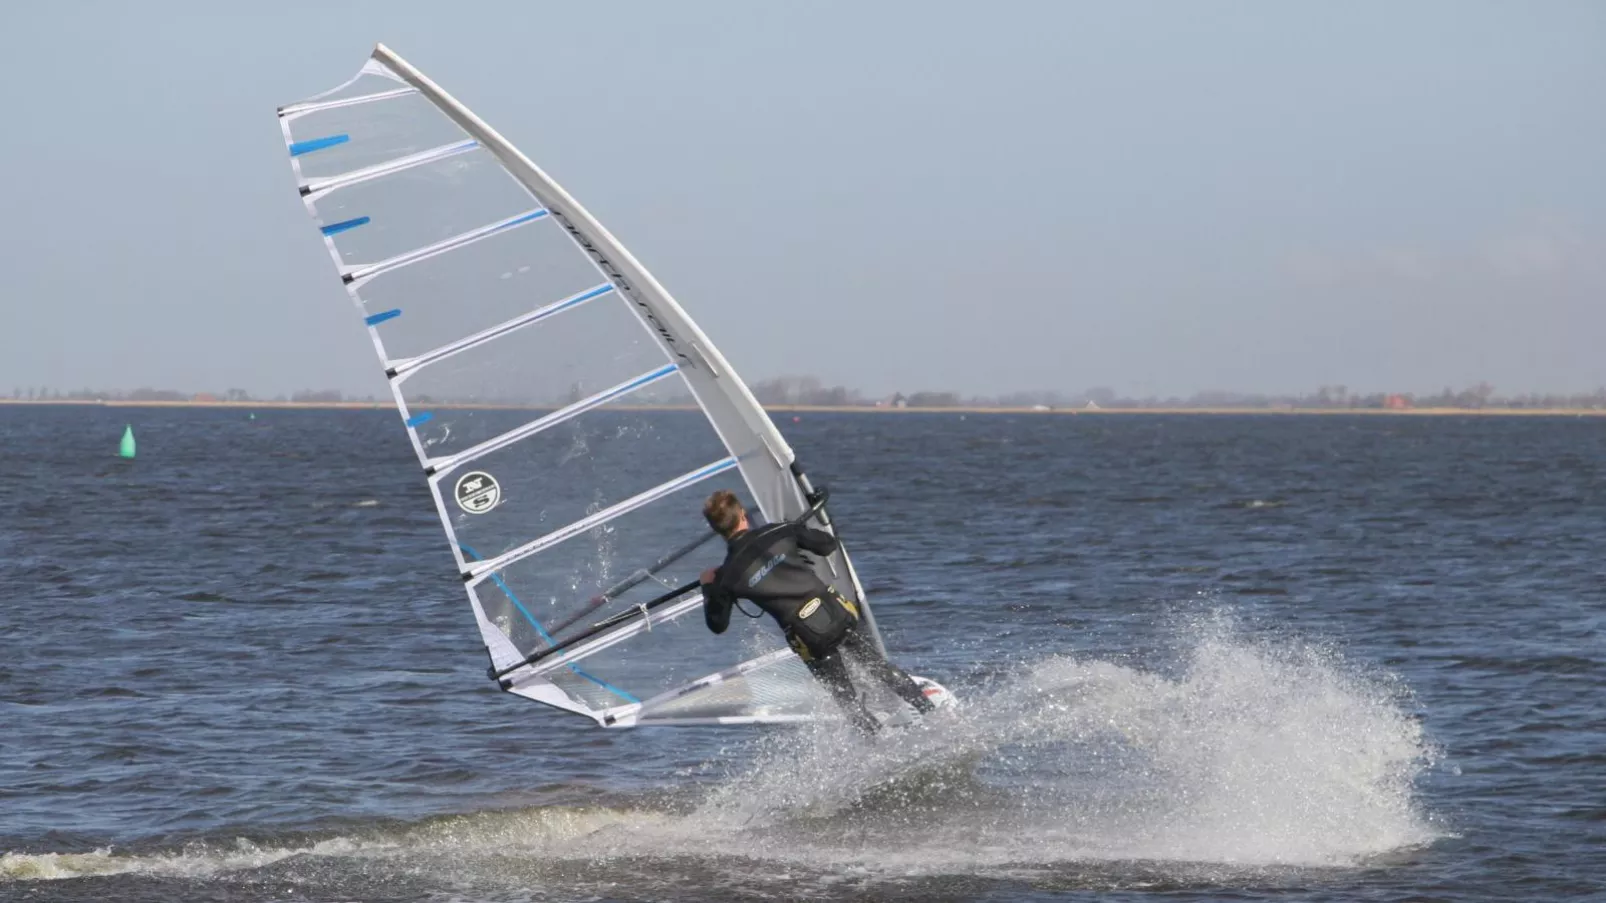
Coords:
832,671
866,655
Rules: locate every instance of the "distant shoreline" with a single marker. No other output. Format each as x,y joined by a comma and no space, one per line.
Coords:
833,409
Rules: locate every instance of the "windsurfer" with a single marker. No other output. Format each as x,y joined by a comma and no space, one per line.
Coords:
764,565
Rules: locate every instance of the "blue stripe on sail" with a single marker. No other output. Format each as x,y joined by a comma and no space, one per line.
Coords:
317,144
507,591
581,299
441,247
622,694
337,228
635,384
382,316
419,419
712,469
519,221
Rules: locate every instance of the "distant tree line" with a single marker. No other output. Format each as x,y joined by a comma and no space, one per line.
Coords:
146,393
810,391
803,390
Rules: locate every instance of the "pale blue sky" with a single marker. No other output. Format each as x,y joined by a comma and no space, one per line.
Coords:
1162,198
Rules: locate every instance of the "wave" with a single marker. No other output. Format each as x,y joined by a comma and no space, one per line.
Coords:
1245,754
1255,753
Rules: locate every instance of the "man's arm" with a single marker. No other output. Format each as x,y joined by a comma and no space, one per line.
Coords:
811,540
717,601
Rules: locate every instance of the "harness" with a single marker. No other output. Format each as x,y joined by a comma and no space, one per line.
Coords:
816,619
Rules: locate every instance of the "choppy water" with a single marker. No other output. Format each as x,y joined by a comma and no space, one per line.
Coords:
1202,658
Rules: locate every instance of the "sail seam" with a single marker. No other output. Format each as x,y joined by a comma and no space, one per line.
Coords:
317,188
477,572
356,275
442,465
407,365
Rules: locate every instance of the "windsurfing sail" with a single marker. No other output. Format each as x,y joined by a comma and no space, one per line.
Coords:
568,415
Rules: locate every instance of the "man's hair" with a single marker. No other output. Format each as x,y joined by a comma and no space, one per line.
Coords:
723,511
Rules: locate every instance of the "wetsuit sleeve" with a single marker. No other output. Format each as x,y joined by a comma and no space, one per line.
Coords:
817,541
717,601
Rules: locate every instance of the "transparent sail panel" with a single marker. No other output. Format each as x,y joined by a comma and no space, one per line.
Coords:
577,469
481,285
604,575
602,572
673,654
562,360
373,79
379,218
782,689
329,142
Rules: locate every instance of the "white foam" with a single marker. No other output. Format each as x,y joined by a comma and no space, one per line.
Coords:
105,861
1255,753
556,829
1244,753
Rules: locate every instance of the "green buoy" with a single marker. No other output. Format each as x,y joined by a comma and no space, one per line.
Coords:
126,449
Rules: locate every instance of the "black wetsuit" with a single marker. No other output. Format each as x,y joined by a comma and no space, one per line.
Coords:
766,566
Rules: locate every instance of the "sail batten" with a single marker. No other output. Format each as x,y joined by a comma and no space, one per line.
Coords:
489,292
363,273
444,465
642,624
300,109
318,187
569,531
500,329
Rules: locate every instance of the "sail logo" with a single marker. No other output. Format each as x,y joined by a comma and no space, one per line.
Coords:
477,492
624,286
764,571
